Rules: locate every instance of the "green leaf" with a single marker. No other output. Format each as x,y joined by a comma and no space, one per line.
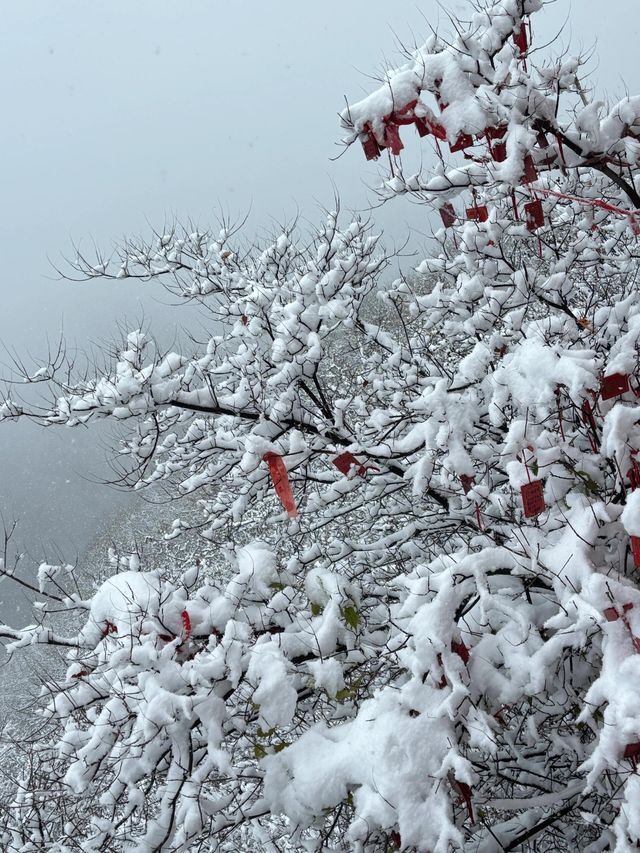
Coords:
351,617
589,484
261,733
349,692
259,751
345,693
280,746
316,609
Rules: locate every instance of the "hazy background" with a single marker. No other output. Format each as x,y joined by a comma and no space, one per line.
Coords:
118,114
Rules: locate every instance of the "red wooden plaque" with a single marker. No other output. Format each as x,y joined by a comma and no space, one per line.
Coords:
478,213
614,385
534,215
611,614
532,498
448,215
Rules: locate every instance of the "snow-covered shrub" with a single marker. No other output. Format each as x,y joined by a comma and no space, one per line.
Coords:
437,646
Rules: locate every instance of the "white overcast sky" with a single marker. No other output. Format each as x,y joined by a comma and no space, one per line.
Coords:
119,113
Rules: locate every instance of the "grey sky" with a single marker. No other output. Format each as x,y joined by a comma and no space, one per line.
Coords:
121,113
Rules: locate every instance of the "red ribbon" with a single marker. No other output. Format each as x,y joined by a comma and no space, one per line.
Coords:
594,202
281,484
186,624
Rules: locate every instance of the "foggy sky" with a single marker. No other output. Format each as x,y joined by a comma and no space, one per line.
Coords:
118,114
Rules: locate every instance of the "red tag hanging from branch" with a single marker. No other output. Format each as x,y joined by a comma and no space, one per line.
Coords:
541,139
461,650
405,115
611,614
426,126
448,215
464,792
370,144
632,750
463,141
530,173
281,484
392,138
346,461
496,132
422,126
478,213
186,624
520,40
534,215
587,414
499,152
590,421
614,385
633,474
467,481
532,498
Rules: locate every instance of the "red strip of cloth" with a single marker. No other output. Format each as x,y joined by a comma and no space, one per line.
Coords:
281,484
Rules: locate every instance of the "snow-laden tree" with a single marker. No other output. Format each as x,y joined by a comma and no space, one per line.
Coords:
436,646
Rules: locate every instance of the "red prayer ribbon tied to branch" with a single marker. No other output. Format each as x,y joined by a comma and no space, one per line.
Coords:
633,474
186,624
373,147
281,484
464,793
632,215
